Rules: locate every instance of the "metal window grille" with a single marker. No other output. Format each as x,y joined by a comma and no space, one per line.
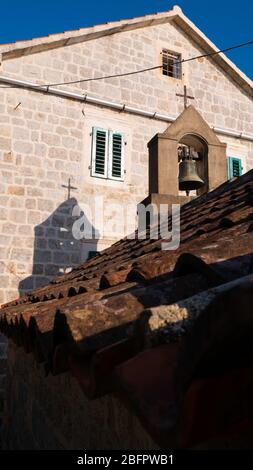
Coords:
171,64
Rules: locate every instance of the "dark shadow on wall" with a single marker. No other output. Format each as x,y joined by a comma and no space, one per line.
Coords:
56,249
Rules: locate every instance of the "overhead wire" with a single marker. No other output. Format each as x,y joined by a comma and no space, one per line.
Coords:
134,72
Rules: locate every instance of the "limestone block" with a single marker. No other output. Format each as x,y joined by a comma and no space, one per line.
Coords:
31,203
5,144
50,139
16,215
34,217
22,255
20,133
22,147
16,190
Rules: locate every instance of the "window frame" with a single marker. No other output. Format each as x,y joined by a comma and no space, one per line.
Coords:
110,157
230,161
93,153
108,154
179,74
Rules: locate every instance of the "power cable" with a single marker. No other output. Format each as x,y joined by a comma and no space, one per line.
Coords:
48,85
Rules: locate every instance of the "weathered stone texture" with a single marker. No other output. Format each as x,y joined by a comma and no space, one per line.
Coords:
45,139
53,413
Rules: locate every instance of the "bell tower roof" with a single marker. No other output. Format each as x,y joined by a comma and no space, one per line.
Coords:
190,121
190,127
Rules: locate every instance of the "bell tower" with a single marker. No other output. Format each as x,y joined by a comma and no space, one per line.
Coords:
185,161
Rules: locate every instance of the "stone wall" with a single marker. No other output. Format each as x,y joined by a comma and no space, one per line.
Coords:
53,413
45,139
220,100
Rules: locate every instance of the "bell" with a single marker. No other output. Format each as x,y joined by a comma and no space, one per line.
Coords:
188,176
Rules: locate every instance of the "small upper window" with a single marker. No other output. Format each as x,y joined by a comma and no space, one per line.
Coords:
172,66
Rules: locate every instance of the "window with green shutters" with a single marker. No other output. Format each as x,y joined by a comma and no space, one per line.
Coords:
115,155
99,152
234,167
107,154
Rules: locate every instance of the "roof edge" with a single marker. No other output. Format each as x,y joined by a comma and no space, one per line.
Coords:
31,46
20,48
209,47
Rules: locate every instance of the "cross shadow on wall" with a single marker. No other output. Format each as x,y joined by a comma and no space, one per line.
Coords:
56,250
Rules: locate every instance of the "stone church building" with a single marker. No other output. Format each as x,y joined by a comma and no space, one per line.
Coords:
66,148
126,348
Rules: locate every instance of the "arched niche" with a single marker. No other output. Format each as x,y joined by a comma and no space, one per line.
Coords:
199,146
163,153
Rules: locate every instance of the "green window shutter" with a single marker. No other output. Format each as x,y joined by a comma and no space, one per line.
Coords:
116,155
234,167
116,160
99,152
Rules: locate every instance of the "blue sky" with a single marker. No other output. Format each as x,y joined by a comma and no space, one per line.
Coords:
225,22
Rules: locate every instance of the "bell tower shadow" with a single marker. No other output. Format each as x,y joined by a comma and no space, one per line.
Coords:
56,249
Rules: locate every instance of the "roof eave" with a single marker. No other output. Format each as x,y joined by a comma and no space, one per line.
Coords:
209,47
19,48
175,15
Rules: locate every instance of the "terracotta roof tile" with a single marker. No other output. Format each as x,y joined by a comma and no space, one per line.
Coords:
151,390
216,218
135,296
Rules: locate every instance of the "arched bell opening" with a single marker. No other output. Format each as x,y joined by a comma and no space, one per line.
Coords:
193,164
